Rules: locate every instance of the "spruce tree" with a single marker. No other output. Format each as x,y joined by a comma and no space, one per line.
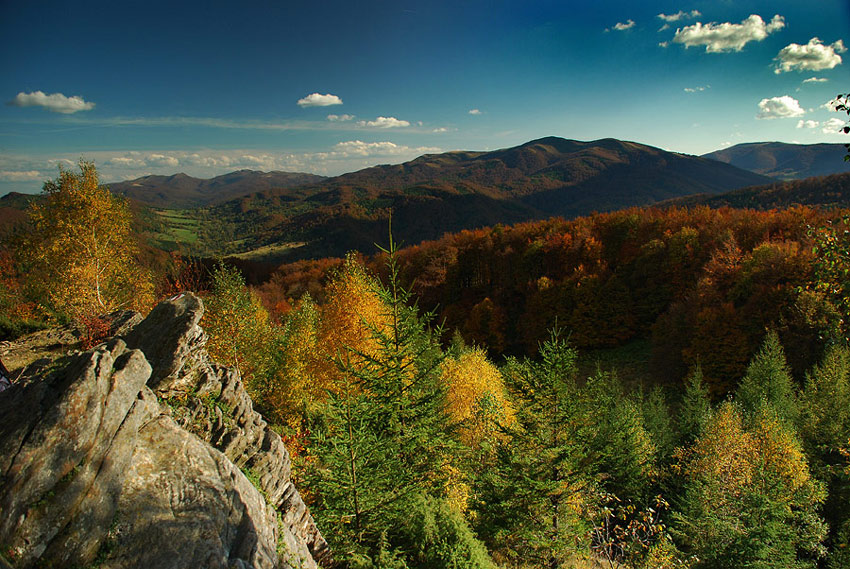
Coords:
382,439
527,501
768,383
696,408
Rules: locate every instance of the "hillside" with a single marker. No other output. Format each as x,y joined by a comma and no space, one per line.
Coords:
785,161
827,191
436,193
182,191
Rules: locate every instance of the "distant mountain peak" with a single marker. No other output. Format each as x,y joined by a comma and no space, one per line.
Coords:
785,161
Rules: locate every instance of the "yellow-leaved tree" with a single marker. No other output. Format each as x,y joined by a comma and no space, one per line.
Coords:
79,250
350,318
475,395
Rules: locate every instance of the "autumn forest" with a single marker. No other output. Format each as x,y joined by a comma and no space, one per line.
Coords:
653,387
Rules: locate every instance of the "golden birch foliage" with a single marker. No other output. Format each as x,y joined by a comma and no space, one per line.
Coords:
292,392
80,249
733,460
749,489
239,329
723,455
350,316
472,382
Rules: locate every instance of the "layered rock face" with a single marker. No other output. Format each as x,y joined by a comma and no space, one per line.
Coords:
143,453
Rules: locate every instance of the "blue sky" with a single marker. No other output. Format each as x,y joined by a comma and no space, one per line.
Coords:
329,87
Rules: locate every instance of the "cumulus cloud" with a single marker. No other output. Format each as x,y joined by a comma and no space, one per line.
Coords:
138,160
780,107
384,122
474,112
340,118
317,100
384,148
814,56
697,89
20,176
440,129
815,80
807,124
64,162
719,38
622,26
163,160
55,102
833,126
680,15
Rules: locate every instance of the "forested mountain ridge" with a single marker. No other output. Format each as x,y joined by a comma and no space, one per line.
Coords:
436,193
825,191
183,191
785,161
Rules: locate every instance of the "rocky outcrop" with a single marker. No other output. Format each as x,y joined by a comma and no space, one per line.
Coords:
143,453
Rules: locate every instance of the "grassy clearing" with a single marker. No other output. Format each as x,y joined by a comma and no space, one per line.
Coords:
180,225
269,252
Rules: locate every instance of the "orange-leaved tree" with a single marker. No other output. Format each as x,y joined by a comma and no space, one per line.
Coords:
80,251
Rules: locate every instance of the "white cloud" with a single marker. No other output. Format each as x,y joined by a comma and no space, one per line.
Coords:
474,112
64,162
815,80
440,129
807,124
833,126
680,15
814,56
384,122
340,118
16,176
725,144
697,89
622,26
196,159
55,102
384,148
317,100
719,38
780,107
163,160
663,44
127,162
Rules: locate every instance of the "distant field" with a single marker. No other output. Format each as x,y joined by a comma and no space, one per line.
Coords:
268,252
180,226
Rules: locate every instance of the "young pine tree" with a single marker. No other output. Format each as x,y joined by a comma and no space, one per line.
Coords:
768,383
381,439
529,502
696,408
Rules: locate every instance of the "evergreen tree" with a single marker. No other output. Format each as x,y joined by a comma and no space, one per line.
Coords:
768,383
657,421
528,502
381,441
696,408
825,432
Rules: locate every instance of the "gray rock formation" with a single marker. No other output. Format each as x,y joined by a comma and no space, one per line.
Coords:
143,453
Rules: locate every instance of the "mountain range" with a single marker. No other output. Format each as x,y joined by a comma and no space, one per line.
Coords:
785,161
182,191
282,216
438,193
